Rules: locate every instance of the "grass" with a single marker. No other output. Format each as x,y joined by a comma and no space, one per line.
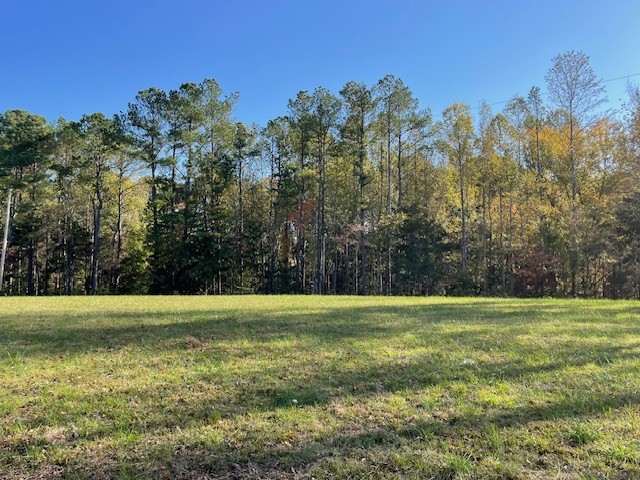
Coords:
319,387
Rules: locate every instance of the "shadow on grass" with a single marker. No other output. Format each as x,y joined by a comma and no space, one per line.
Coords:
443,336
168,406
378,443
58,334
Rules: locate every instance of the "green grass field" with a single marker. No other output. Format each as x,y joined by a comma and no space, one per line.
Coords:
323,387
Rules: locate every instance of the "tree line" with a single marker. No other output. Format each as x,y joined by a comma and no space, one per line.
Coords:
360,191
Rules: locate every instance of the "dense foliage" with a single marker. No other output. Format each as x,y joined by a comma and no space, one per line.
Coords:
359,192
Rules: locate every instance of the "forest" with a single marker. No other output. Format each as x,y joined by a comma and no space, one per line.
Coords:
363,192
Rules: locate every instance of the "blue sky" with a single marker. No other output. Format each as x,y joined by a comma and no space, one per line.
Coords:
66,58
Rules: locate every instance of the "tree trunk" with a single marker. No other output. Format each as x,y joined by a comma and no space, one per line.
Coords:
30,267
241,224
119,226
68,257
5,239
97,218
400,169
362,254
463,212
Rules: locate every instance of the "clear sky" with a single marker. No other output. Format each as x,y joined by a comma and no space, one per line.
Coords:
66,58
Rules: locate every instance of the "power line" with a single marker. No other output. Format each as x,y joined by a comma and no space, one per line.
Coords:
502,102
547,93
620,78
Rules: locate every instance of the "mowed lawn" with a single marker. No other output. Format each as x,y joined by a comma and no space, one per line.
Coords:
319,387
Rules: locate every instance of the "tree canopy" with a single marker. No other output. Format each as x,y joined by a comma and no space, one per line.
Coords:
361,191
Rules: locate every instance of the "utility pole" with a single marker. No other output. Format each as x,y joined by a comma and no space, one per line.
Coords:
4,239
